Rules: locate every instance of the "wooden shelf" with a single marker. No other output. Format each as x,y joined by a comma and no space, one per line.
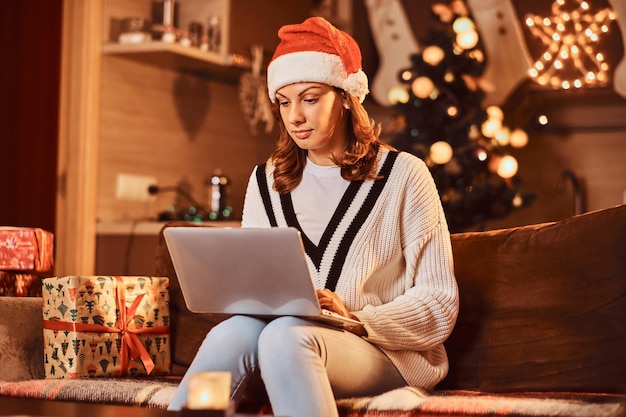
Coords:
181,58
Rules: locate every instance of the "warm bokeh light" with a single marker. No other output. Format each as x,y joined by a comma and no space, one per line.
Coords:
503,136
490,127
422,87
398,94
467,39
495,112
507,167
518,138
441,152
433,55
462,24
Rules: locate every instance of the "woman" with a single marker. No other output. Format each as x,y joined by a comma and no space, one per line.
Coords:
375,234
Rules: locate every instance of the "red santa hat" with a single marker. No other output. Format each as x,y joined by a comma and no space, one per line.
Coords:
316,51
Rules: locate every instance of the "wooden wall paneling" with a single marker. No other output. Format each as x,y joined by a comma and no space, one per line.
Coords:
78,137
597,159
176,127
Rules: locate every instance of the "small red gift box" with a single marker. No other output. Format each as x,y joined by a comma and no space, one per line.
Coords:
97,326
26,249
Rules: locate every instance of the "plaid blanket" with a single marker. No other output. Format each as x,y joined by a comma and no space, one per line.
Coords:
414,402
403,402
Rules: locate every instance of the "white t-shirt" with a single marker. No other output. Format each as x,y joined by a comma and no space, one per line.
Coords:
316,198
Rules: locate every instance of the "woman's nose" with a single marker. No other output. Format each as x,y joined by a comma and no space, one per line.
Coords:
295,115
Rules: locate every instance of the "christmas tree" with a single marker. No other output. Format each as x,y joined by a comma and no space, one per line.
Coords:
441,119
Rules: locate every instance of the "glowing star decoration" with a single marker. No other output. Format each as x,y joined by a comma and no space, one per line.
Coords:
570,60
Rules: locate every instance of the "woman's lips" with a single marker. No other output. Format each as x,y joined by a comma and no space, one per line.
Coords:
302,134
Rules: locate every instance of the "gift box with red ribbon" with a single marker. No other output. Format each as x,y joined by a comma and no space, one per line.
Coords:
26,249
102,326
26,255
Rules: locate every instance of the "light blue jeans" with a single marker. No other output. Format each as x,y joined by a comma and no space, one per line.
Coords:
303,365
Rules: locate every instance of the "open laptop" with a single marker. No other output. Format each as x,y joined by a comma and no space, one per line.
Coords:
251,271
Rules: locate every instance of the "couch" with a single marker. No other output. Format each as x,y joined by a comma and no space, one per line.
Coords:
541,331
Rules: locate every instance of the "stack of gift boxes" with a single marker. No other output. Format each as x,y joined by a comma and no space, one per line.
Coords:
93,326
26,256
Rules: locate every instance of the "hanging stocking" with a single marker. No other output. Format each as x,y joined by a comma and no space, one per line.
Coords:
395,43
619,75
508,59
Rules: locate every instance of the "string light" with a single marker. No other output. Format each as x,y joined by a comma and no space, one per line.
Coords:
570,60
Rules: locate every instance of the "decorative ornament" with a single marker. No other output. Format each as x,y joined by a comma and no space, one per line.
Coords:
570,59
253,99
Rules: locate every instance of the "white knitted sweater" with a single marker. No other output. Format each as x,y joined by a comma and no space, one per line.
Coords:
388,256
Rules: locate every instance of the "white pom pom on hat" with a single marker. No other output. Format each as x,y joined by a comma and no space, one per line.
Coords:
316,51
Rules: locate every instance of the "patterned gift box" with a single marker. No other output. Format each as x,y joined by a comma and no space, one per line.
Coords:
15,284
26,249
97,326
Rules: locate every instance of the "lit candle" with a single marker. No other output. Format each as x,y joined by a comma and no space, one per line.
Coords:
209,391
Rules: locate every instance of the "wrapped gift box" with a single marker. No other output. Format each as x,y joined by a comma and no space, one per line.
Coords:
99,326
15,284
26,249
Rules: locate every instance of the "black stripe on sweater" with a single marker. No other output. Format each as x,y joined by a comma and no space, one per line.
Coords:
316,253
265,194
357,223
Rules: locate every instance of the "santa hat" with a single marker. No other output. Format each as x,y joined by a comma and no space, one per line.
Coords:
316,51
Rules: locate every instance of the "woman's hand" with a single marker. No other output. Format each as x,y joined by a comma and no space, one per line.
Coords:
331,301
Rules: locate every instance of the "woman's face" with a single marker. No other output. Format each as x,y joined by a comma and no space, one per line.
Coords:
312,114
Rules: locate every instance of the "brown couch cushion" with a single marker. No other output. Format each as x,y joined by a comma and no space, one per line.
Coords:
543,307
21,338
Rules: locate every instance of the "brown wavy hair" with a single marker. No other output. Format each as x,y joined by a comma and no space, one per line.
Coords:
358,160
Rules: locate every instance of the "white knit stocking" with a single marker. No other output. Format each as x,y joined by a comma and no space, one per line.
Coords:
508,59
394,41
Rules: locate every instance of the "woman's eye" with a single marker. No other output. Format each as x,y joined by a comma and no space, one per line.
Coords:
310,100
283,103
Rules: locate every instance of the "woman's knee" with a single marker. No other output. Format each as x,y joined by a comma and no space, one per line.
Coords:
285,335
236,331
